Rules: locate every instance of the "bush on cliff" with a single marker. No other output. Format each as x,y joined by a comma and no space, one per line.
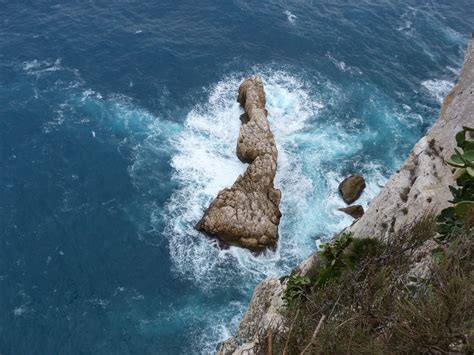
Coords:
461,214
394,299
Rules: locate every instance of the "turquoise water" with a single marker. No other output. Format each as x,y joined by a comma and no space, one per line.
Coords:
118,125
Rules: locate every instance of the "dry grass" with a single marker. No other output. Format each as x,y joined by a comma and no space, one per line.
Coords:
374,307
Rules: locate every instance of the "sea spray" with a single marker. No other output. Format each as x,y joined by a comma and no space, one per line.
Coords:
205,162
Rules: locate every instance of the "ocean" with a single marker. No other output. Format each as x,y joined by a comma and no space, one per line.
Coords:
118,126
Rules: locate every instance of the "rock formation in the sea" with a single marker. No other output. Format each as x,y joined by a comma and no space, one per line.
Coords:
247,214
355,211
420,187
351,188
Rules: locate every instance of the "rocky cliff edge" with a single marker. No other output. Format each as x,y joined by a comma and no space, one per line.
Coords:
419,187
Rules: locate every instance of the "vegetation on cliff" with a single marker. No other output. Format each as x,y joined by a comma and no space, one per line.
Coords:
411,293
383,303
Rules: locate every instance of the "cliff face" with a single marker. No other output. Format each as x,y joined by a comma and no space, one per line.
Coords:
247,214
418,188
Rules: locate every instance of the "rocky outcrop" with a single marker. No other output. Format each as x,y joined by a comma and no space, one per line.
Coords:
419,187
421,184
265,312
255,137
247,214
355,211
351,188
265,316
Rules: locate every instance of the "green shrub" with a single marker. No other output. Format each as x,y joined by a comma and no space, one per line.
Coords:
295,288
342,252
457,217
372,307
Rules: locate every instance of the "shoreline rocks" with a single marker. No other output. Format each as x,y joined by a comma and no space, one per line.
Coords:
351,188
247,214
355,211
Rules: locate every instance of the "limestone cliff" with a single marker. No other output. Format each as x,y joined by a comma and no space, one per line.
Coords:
247,214
419,187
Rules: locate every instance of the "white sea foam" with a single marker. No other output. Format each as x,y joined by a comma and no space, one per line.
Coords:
438,88
455,71
342,66
56,121
25,307
20,310
291,18
407,19
205,162
37,67
99,302
453,34
406,26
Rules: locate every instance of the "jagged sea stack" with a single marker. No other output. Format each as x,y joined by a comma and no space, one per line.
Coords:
247,214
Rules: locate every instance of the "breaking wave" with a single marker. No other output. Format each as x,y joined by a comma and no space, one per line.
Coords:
205,162
438,88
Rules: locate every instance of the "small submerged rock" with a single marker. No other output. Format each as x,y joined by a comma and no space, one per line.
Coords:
351,188
355,211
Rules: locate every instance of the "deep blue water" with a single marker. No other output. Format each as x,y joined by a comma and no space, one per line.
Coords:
118,125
